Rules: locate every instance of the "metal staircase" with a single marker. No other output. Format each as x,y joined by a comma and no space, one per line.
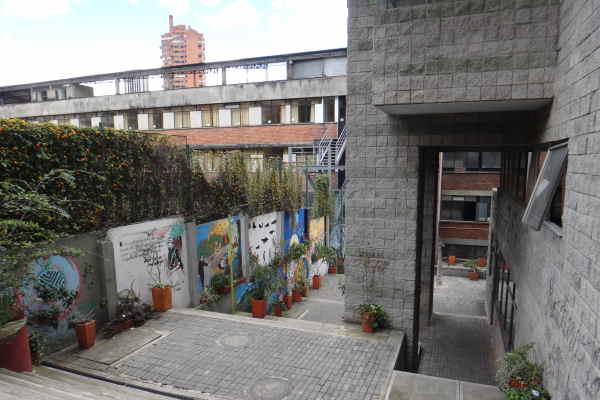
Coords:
329,151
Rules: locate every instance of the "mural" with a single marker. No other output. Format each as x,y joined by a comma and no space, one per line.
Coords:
294,227
135,245
218,247
262,237
316,233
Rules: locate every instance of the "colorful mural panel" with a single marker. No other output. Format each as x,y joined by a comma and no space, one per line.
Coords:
294,227
218,247
316,233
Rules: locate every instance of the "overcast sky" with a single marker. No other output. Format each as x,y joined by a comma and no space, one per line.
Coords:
53,39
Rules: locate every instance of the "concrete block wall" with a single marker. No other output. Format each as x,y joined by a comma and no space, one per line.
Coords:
456,50
558,278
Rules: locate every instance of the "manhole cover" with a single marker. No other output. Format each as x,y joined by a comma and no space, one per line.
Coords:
270,389
234,340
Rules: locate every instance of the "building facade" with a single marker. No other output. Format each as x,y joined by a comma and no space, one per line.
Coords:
517,77
182,45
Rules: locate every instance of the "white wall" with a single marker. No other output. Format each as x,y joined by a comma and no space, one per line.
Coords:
263,236
129,241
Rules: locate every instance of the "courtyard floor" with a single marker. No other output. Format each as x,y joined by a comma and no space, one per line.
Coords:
208,355
323,305
458,342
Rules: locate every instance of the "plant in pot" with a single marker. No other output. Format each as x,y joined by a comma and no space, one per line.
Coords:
85,328
519,378
288,300
473,265
157,264
451,260
265,281
297,290
279,307
208,298
373,316
37,347
220,283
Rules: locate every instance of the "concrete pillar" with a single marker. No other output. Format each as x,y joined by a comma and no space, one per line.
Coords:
110,280
223,76
244,245
192,257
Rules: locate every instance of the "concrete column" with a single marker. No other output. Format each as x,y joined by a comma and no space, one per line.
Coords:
192,256
336,109
110,280
244,245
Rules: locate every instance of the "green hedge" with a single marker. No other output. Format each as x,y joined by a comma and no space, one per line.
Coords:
121,177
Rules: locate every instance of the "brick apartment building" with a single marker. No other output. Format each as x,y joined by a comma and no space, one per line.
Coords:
468,180
517,77
182,45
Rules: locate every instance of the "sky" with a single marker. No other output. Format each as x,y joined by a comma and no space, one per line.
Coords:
53,39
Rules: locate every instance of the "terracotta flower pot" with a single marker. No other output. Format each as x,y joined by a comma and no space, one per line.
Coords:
474,276
224,290
316,281
367,319
482,262
15,354
516,383
305,291
277,310
86,333
451,260
162,298
296,295
288,301
259,308
332,270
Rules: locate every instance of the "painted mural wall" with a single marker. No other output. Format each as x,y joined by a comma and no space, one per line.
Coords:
64,287
316,233
262,236
132,246
294,229
218,248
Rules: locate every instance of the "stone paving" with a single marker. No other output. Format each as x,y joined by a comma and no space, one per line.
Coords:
323,305
236,357
458,342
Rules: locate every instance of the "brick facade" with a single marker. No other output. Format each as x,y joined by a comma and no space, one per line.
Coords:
470,181
464,230
255,135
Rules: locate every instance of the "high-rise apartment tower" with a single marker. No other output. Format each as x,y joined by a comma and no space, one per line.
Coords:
182,45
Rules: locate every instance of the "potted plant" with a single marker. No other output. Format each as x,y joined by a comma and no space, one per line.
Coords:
265,281
316,281
162,297
278,307
85,328
297,291
520,378
473,265
37,347
288,300
208,298
481,261
220,283
162,289
373,317
451,260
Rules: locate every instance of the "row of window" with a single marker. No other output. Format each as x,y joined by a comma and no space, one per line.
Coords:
461,161
465,208
314,110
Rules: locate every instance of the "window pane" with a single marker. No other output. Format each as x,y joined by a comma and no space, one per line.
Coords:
472,160
490,160
329,109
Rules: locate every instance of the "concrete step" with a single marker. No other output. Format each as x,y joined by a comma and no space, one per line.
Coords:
52,384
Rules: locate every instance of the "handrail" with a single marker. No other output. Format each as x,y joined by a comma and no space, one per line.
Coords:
340,145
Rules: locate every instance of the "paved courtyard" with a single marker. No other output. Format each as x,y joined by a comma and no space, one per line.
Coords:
235,357
458,342
323,305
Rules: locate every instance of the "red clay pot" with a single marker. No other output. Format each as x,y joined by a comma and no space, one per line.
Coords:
296,295
288,301
305,291
15,354
332,270
474,276
451,260
482,262
162,299
515,383
367,317
316,282
259,308
277,310
86,333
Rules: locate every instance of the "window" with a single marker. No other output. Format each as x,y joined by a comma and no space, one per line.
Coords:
271,112
329,109
155,120
85,121
546,198
504,304
131,121
107,120
182,119
460,161
206,117
514,174
304,111
465,208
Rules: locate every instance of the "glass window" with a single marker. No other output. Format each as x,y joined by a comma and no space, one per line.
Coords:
107,120
490,160
206,117
271,112
131,122
304,111
329,109
85,121
182,119
155,120
471,160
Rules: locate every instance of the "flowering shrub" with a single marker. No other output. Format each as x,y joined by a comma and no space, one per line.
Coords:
122,177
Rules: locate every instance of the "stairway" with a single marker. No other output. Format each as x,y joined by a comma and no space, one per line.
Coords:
329,151
52,384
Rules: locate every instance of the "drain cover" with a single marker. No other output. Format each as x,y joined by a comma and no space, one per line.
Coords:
234,340
270,388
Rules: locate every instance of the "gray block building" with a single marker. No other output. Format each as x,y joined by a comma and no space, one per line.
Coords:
521,77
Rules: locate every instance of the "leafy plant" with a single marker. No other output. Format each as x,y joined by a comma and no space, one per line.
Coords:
297,250
37,346
78,316
208,298
472,264
219,282
324,200
45,316
520,378
380,318
281,304
265,281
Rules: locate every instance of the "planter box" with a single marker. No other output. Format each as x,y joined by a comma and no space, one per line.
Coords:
452,270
